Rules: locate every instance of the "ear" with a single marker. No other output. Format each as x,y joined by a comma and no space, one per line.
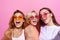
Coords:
51,14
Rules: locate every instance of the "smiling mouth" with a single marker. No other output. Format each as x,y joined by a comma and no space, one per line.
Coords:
17,22
44,19
34,21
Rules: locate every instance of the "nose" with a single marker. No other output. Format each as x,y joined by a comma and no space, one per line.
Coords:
17,18
44,16
34,17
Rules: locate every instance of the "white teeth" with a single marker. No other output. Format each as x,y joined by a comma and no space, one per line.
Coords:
17,22
34,21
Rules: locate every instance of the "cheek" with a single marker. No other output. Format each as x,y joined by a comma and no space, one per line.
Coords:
49,16
37,20
48,20
30,21
21,22
14,20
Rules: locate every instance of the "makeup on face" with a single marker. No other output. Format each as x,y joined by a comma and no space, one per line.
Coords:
34,19
18,20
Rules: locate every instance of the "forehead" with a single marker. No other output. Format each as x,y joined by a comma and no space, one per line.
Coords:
44,11
33,14
18,14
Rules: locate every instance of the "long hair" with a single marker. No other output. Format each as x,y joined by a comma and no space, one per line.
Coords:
53,17
8,32
11,22
28,21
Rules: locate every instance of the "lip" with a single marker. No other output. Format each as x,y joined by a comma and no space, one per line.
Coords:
44,19
17,22
34,21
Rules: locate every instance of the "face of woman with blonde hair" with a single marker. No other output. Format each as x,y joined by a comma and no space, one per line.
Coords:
18,20
33,18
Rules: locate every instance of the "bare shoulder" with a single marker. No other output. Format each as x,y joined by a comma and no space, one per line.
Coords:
27,29
8,33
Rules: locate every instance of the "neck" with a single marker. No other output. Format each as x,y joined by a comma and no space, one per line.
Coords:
51,23
18,29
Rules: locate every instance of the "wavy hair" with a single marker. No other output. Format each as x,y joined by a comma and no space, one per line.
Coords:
11,22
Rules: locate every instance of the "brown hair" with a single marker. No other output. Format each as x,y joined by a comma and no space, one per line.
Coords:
11,23
53,18
8,32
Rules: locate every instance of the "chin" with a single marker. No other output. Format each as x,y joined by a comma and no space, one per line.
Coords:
34,24
18,26
46,22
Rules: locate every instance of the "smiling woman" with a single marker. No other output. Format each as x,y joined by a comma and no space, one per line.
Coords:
16,27
49,26
31,31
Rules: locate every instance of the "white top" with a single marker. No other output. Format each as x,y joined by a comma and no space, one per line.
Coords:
22,37
48,32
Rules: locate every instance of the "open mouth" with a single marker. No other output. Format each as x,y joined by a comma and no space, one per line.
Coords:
17,22
34,21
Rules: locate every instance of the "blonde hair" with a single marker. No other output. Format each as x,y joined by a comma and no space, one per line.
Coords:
28,21
28,15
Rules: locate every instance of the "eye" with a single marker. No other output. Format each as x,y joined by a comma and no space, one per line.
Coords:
31,17
36,16
20,16
45,13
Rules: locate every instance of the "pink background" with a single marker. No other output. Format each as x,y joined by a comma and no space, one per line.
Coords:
7,7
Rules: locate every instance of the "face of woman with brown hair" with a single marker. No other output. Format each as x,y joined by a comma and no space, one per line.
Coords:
46,16
18,20
33,18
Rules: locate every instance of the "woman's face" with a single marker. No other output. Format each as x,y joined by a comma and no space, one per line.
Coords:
18,20
33,18
45,16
